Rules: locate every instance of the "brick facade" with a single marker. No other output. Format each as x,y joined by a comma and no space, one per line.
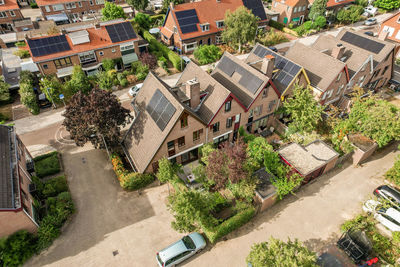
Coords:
289,10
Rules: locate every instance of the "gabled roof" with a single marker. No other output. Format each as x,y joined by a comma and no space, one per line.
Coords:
9,5
216,93
354,57
393,22
189,16
288,2
285,70
321,69
241,79
98,38
335,3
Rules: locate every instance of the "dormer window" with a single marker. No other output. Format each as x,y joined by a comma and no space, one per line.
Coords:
205,27
220,24
1,2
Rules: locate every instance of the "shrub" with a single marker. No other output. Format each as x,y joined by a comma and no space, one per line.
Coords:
308,25
141,72
123,82
320,22
148,59
108,64
47,232
54,186
276,25
207,54
22,53
233,223
129,180
143,20
393,174
20,44
34,5
18,248
60,207
274,37
47,164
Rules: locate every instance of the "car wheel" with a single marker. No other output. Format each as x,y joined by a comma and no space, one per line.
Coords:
197,252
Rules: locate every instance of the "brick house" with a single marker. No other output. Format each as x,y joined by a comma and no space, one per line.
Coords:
392,26
9,13
16,202
86,47
284,72
189,25
67,11
328,75
334,6
291,11
174,122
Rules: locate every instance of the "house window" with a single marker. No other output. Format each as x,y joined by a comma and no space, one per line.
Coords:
171,148
3,14
228,105
275,4
99,2
45,66
271,105
304,8
197,134
47,8
218,39
58,7
91,2
190,47
215,127
184,121
339,76
258,110
323,96
329,93
384,70
265,93
70,5
398,35
12,13
63,62
87,57
101,53
220,24
113,50
295,10
388,29
340,89
80,4
205,27
229,122
1,2
181,141
361,80
363,67
288,8
175,29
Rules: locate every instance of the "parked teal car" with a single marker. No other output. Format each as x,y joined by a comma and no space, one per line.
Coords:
181,250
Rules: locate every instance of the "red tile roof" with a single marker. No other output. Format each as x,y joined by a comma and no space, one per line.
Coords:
99,38
9,5
288,2
393,22
333,3
53,2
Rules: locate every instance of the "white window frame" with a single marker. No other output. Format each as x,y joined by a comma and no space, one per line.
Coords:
205,27
1,2
126,46
87,56
339,77
12,13
70,5
3,14
295,10
99,2
388,29
47,8
218,39
191,45
101,53
58,7
80,4
398,35
340,89
218,24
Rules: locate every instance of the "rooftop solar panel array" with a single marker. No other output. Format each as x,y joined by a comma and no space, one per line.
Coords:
121,32
248,80
288,69
47,46
187,20
256,7
160,109
362,42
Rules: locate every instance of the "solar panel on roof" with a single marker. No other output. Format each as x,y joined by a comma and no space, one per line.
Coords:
120,32
362,42
256,7
187,20
48,45
160,109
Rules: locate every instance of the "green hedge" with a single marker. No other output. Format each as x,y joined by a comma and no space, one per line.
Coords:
154,18
47,164
154,45
129,180
276,25
55,186
233,223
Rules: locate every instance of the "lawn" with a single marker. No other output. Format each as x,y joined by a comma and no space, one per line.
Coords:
47,164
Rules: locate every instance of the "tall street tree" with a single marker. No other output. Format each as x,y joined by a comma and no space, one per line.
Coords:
96,117
28,96
240,27
111,11
138,4
318,8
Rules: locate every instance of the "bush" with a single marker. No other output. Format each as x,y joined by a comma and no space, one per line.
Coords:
320,22
22,53
34,5
18,248
60,207
129,180
47,232
148,59
274,37
141,71
123,82
393,174
207,54
308,25
55,186
233,223
47,164
108,64
143,20
276,25
20,44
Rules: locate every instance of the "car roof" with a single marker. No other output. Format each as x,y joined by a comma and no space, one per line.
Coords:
395,214
172,250
389,190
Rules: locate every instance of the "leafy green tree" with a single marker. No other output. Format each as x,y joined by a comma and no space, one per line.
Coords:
108,64
362,3
387,4
28,96
303,109
52,88
79,81
165,4
112,11
138,4
318,8
207,54
281,254
240,27
104,80
308,25
97,117
256,151
4,91
143,20
18,248
320,22
205,151
167,171
352,14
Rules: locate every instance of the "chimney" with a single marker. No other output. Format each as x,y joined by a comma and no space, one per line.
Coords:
268,64
338,51
383,35
171,5
193,92
97,26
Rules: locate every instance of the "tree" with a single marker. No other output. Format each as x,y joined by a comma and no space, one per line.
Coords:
4,91
352,14
143,20
138,4
112,11
240,27
256,151
148,59
207,54
104,80
318,8
51,87
108,64
387,4
79,81
278,253
303,109
28,96
18,248
96,117
167,171
320,22
166,3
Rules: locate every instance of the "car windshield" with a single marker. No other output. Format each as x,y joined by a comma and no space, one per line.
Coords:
188,242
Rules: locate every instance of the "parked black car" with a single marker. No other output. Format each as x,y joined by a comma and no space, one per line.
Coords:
389,193
356,245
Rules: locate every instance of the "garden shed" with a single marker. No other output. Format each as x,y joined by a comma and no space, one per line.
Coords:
265,190
364,147
309,161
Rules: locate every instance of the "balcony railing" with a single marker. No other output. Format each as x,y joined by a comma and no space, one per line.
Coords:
89,63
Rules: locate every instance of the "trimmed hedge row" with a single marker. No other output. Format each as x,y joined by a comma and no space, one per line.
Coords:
154,45
129,180
47,164
233,223
276,25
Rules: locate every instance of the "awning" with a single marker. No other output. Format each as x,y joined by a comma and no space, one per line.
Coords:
58,17
29,66
129,58
65,71
296,19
